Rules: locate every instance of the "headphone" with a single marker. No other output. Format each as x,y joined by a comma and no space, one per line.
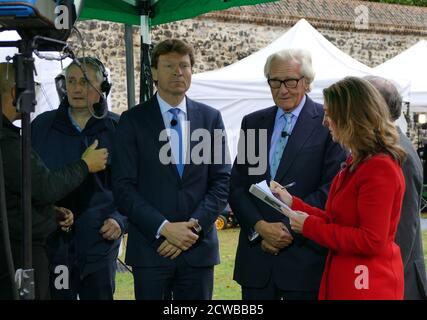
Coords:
106,84
99,109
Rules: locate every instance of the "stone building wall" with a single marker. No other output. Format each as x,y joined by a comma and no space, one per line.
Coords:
223,38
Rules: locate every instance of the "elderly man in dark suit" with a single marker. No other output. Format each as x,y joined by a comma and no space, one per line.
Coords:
171,198
272,262
408,235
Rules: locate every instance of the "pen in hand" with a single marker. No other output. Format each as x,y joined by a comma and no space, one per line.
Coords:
288,185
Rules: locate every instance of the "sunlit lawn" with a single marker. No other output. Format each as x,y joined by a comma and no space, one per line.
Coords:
425,247
224,287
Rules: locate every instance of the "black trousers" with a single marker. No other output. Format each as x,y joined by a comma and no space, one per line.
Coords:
98,285
178,282
272,292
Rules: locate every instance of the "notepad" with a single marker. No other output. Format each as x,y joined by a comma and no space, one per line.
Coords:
262,191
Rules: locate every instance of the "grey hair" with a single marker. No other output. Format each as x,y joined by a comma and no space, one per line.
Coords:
87,64
390,93
301,56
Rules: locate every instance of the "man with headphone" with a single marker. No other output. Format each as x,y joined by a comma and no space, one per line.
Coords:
90,249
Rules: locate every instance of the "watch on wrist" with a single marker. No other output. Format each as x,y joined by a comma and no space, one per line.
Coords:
197,229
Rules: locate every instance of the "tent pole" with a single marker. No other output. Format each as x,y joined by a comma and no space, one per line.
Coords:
146,81
130,71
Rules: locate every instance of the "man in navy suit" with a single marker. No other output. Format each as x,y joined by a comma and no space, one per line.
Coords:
170,197
272,262
409,234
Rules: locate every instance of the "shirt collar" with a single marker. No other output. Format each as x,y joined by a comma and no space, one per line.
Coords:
165,107
73,122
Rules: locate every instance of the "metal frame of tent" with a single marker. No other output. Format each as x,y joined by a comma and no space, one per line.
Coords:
147,13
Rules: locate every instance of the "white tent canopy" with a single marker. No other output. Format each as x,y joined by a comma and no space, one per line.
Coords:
411,64
241,88
328,61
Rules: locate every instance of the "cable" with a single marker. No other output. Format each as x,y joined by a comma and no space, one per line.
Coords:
124,265
84,70
46,96
83,67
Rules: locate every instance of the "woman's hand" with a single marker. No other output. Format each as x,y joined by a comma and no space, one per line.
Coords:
281,193
296,219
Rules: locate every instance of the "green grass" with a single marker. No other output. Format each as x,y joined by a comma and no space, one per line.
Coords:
224,287
425,247
124,287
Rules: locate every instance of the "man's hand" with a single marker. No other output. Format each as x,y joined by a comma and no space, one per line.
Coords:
179,234
275,233
111,229
64,218
267,247
168,250
96,159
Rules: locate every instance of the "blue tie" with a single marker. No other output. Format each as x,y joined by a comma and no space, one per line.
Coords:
281,144
177,127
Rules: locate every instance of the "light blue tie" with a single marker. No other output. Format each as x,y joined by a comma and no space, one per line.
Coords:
178,157
281,144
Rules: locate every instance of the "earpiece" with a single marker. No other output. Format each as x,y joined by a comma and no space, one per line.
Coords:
106,84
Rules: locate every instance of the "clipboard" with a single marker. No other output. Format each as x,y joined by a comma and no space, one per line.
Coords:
263,192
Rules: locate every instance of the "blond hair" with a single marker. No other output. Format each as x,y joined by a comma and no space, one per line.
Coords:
362,120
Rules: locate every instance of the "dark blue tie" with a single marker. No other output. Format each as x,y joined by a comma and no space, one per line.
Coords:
177,127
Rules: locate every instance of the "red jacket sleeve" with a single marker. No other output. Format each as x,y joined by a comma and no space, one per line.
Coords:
298,204
377,194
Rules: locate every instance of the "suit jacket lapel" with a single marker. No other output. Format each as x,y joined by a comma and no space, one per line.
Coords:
154,120
301,132
195,121
266,122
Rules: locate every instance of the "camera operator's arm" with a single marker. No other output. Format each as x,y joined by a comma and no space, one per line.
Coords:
50,186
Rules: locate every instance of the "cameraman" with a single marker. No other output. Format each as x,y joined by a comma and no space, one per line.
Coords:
47,188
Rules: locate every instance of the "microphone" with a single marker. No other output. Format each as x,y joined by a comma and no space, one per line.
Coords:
285,134
174,122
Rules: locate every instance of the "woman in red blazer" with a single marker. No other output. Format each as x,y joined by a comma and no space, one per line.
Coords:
364,202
